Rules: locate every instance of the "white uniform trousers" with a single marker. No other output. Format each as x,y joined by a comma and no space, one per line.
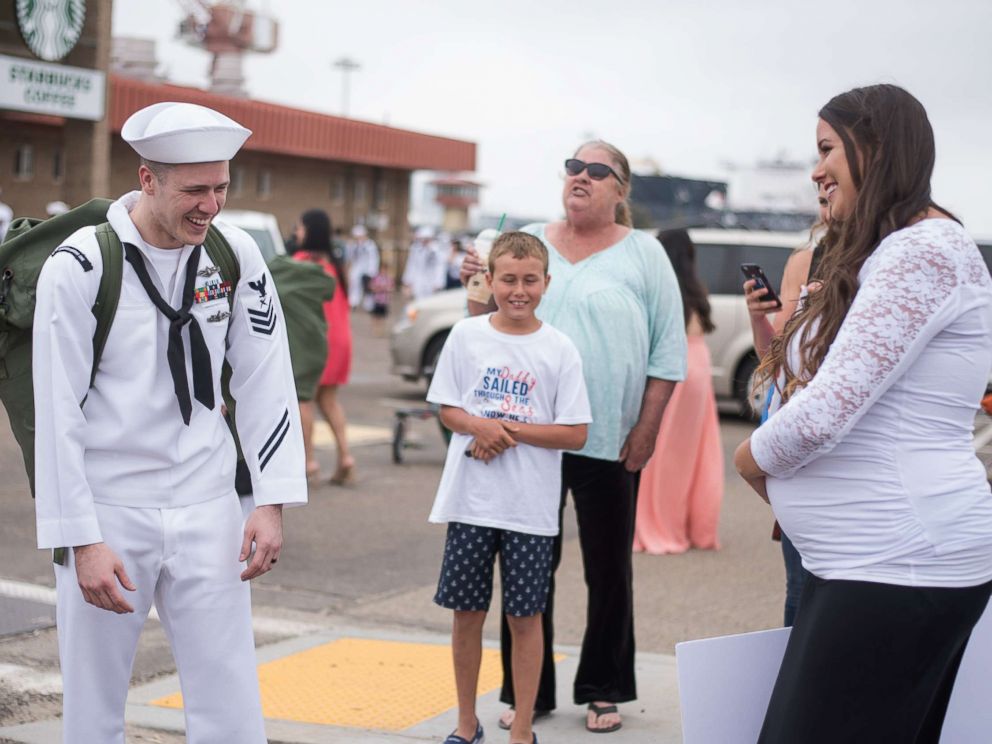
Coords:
185,559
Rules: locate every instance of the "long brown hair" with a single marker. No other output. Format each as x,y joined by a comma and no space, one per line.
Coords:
317,240
622,214
682,253
889,146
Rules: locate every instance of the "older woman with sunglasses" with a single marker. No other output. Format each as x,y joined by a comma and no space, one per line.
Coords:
614,294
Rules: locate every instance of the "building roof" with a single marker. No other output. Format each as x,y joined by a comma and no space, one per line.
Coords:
288,131
451,181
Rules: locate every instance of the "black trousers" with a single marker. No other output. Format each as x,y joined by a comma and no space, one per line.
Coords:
605,497
870,662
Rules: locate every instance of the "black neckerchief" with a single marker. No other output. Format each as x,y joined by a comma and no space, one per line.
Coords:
203,384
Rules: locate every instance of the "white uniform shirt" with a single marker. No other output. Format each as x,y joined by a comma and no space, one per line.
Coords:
425,269
363,260
127,444
872,472
6,216
533,378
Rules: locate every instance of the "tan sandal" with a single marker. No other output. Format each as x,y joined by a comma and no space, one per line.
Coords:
343,476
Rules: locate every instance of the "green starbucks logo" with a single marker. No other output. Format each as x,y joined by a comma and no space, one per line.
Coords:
51,28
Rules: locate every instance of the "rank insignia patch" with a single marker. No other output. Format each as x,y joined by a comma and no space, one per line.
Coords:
262,322
214,289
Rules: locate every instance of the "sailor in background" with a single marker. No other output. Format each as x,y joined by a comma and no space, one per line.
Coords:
135,474
55,208
363,263
425,265
6,217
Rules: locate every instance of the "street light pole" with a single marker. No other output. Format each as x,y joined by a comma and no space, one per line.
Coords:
347,66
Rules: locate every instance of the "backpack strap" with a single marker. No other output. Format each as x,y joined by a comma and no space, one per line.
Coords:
221,253
109,292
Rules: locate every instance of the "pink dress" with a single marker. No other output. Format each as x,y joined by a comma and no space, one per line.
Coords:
678,504
338,315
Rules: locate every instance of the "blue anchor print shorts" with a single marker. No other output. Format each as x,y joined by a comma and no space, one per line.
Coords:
466,582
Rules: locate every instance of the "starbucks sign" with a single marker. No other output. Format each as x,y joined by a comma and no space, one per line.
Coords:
51,28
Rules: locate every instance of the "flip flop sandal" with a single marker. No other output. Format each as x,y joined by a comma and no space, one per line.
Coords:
538,715
602,710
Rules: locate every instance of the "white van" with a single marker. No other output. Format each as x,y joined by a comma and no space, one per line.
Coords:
262,226
719,255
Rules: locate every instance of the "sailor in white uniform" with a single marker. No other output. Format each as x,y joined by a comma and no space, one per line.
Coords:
363,264
425,265
6,217
136,473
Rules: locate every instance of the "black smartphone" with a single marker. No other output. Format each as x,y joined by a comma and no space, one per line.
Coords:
753,271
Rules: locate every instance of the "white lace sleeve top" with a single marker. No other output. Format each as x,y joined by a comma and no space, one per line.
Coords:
872,472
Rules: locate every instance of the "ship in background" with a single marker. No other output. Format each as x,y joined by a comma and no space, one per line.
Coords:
774,195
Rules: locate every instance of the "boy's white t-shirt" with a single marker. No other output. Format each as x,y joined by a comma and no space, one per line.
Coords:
533,378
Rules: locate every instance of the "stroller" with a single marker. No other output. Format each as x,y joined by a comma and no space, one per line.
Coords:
401,423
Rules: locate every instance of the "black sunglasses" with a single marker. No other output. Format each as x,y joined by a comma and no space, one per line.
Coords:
597,171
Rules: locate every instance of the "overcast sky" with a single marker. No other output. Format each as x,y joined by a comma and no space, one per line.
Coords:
691,84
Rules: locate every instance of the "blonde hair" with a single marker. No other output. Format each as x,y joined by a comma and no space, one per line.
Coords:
621,167
518,245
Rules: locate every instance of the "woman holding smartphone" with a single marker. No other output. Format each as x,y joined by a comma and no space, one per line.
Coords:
868,464
768,318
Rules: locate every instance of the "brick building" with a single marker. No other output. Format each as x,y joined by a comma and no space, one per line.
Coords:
295,159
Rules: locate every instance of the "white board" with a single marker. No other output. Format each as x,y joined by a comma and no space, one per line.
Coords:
725,684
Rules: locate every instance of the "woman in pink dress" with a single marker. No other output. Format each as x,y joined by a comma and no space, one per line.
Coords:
678,501
313,235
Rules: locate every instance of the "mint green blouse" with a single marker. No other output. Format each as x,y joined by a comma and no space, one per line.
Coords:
622,308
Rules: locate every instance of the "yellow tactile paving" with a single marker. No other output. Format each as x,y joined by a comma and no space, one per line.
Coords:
362,683
357,434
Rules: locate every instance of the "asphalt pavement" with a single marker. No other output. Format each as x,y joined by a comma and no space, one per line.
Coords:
351,648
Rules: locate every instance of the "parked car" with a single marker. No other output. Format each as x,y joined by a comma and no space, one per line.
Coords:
417,338
262,226
719,255
419,335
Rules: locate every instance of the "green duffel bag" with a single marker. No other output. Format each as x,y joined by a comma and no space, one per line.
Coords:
303,288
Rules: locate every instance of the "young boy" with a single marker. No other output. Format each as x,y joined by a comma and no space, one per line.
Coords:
511,389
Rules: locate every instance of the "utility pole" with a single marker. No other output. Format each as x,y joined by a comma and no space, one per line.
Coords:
347,66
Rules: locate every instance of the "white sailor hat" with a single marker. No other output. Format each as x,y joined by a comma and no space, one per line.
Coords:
359,231
55,208
425,232
183,133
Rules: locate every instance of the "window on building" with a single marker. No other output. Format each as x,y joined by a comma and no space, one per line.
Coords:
360,190
58,165
337,188
24,163
264,183
237,181
381,192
